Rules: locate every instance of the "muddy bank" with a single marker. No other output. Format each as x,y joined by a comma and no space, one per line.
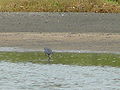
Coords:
62,41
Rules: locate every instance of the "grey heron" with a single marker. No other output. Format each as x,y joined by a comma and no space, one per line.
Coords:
48,52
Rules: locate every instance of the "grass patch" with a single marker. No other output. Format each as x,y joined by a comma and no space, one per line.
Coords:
102,6
83,59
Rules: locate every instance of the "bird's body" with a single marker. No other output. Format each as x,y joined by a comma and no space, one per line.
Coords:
48,52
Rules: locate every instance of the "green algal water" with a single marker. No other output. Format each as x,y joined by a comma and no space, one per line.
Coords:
82,59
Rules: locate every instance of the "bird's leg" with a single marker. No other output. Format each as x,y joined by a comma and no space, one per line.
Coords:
49,58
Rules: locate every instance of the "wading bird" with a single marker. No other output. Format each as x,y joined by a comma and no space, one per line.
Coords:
48,52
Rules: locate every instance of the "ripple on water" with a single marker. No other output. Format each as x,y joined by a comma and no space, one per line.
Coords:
28,76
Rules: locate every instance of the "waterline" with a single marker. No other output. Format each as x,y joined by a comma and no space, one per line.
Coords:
18,49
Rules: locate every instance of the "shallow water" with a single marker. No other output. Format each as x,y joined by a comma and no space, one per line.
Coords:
18,49
28,76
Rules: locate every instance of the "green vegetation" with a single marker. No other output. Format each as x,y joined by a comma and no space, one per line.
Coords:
83,59
117,1
102,6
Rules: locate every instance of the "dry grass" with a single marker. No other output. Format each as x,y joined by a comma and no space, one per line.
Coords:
59,6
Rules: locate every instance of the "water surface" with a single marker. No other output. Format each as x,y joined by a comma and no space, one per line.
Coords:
18,49
29,76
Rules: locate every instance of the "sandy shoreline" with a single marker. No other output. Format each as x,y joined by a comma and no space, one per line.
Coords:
89,31
61,41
